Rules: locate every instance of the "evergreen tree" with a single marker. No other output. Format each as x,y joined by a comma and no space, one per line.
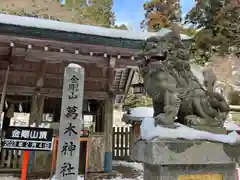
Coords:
122,27
46,9
93,12
160,14
132,100
90,12
135,100
218,27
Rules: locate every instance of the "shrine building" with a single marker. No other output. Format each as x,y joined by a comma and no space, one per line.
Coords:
33,55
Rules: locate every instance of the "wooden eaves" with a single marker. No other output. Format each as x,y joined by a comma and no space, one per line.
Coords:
40,53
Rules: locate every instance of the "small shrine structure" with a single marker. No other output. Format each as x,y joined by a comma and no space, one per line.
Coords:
135,116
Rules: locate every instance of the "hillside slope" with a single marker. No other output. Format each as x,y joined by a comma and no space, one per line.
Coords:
47,9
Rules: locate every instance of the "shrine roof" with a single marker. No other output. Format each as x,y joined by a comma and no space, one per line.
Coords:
38,41
62,31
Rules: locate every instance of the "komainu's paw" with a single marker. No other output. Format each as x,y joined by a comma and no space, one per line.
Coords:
164,121
192,120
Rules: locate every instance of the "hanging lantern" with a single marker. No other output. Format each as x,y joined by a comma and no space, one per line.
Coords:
86,107
6,104
138,88
20,108
10,112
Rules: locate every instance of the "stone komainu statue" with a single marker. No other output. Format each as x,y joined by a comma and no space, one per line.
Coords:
177,94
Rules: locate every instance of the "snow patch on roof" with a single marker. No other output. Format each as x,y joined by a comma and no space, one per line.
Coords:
137,114
73,65
77,28
141,112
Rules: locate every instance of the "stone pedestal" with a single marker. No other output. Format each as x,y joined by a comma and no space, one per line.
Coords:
167,159
42,162
96,153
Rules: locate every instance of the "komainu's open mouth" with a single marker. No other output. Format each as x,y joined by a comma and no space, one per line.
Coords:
159,56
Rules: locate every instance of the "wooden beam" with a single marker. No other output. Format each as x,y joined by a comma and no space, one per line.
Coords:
129,80
126,63
36,109
24,42
17,99
38,99
111,73
9,55
58,57
50,92
53,57
235,108
49,75
108,133
40,75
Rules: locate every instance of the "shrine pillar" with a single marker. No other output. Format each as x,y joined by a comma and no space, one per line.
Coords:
36,109
36,113
108,127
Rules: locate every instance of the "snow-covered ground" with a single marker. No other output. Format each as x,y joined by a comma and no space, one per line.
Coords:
79,178
121,178
231,126
136,166
8,178
11,178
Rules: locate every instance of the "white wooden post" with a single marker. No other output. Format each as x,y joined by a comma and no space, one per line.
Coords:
70,124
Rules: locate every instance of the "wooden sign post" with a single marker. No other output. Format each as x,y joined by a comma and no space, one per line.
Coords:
70,123
28,138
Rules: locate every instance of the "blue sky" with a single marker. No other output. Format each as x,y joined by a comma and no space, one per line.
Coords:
130,12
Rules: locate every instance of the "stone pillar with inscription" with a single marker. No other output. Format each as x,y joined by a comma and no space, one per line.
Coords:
70,124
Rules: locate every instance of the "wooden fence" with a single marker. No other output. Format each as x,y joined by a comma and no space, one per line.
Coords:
121,143
11,160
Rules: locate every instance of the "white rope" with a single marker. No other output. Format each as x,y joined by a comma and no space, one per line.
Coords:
3,94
